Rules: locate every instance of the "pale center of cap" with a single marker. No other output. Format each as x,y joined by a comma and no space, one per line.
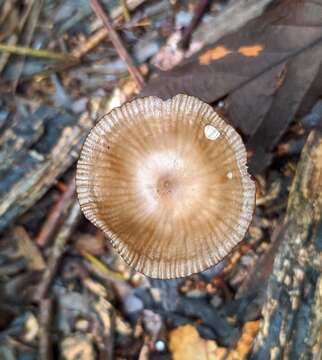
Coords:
170,182
167,186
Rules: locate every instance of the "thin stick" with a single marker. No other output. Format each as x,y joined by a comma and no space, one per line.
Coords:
57,251
199,12
45,321
50,224
75,58
116,41
26,51
90,43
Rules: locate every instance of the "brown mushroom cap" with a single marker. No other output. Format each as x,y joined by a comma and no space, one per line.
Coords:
167,182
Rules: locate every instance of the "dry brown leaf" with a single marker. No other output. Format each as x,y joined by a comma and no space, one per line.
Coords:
91,244
77,347
28,249
269,71
186,344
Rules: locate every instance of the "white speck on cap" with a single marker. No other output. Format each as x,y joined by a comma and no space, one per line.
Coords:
229,175
211,132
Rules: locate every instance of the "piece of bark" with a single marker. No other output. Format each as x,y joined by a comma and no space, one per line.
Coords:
21,134
37,152
292,316
251,294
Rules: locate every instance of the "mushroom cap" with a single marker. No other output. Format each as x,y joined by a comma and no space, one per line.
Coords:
167,182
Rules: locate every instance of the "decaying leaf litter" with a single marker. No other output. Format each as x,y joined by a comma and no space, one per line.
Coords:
64,292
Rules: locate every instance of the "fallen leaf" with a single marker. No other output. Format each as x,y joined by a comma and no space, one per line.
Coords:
104,309
186,344
91,244
277,78
77,347
31,328
28,249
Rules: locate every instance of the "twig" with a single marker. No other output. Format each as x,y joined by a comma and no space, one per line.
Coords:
101,267
116,41
126,13
57,251
45,319
199,12
90,43
26,51
5,56
50,225
51,69
73,60
27,30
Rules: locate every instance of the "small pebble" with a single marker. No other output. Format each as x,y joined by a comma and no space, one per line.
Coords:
221,104
138,279
216,301
156,294
248,259
79,105
160,345
145,49
197,294
152,321
183,18
133,304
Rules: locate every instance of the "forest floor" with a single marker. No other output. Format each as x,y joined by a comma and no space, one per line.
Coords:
64,292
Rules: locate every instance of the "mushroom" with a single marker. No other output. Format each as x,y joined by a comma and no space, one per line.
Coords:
167,182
